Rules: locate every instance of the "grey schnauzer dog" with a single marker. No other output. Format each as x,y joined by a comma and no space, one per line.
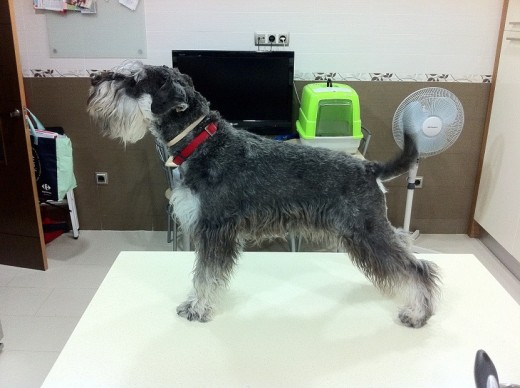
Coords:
236,186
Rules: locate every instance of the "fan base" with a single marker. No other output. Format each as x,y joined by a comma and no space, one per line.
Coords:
418,249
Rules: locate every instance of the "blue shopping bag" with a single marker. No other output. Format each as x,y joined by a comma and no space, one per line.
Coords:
53,163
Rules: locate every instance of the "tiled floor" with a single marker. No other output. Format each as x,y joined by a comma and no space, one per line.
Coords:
39,310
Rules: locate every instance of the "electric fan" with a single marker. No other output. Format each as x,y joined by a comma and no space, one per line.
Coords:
435,117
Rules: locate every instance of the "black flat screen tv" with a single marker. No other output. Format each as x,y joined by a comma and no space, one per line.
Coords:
251,89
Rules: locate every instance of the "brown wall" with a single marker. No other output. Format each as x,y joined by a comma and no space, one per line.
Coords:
134,198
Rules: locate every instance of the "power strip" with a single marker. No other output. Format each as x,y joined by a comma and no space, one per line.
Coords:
271,39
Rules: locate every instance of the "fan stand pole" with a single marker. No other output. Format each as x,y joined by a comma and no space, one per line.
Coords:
409,196
408,210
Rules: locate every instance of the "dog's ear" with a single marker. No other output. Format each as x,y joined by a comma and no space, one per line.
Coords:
183,79
187,79
169,96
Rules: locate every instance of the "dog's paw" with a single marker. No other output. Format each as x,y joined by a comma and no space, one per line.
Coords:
193,311
411,318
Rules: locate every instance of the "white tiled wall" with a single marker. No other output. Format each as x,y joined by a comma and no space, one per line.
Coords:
347,36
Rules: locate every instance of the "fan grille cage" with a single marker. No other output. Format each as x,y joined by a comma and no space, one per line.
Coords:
434,101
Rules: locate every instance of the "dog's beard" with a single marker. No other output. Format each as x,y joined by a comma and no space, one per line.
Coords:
119,115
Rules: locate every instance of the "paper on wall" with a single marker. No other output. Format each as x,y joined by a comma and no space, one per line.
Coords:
50,5
131,4
83,6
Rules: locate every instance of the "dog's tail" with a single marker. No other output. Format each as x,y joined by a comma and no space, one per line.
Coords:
400,164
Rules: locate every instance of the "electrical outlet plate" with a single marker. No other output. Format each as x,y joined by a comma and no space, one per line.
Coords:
102,178
260,38
271,39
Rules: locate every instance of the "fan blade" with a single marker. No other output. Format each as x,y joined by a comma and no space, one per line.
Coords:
444,108
431,145
434,115
412,117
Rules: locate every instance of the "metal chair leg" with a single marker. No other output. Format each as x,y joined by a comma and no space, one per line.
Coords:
174,229
186,241
294,244
169,222
71,202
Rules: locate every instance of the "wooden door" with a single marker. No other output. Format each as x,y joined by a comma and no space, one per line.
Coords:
21,234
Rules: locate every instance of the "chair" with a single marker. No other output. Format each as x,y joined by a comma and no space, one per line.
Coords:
363,145
170,173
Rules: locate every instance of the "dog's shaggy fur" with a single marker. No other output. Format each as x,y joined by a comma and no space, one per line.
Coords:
239,186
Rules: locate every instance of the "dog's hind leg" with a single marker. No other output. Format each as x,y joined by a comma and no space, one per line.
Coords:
421,290
217,250
384,257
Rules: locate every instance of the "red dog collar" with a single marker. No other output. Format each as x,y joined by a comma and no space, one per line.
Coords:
192,146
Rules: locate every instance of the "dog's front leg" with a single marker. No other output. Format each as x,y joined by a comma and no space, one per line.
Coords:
217,251
207,285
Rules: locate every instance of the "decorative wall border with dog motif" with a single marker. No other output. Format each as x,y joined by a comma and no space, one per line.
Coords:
318,76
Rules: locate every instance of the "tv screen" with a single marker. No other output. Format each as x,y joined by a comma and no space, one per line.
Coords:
251,89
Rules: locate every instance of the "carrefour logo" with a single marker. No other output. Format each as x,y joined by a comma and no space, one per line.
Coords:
45,186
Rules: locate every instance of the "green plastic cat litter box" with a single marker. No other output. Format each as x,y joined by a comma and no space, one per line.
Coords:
329,117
